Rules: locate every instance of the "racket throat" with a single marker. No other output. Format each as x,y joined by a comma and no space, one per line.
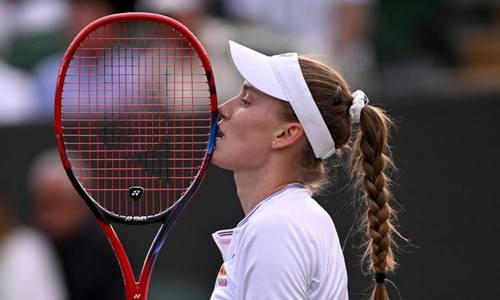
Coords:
135,290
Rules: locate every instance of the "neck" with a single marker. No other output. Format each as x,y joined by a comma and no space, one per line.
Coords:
253,186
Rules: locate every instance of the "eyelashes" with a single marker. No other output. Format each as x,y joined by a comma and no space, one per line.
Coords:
244,97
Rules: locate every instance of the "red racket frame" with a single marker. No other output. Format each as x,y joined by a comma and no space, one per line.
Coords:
136,290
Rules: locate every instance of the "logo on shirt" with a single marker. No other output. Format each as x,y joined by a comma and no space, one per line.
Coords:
222,278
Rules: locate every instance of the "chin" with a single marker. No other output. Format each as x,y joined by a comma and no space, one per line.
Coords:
221,160
217,159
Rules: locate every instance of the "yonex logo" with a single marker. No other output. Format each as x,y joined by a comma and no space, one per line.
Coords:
136,218
136,192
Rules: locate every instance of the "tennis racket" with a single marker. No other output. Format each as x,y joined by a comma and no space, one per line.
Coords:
135,121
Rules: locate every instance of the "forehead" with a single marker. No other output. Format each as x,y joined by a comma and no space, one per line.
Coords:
247,86
251,88
261,102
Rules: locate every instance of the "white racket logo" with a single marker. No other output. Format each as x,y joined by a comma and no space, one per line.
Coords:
136,192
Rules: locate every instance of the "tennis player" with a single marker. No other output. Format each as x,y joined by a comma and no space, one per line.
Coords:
292,114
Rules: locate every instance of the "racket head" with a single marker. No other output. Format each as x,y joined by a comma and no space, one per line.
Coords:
135,115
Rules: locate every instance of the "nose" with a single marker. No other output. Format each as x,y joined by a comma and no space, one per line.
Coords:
225,109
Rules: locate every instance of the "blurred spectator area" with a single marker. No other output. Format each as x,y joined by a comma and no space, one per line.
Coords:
437,46
35,29
430,47
31,30
478,42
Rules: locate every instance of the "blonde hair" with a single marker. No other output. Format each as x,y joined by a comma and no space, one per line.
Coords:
368,161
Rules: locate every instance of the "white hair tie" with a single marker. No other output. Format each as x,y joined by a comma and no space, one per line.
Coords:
358,103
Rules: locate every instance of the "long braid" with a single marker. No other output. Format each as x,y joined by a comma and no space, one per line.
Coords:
370,159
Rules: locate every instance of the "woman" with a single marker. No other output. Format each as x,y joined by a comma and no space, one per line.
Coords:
276,135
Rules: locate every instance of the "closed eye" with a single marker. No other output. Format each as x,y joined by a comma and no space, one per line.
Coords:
244,98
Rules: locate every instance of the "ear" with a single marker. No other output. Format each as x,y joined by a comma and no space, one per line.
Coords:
288,135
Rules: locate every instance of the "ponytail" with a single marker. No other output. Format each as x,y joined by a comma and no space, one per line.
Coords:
370,161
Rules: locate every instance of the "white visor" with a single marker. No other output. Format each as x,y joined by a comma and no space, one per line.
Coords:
280,76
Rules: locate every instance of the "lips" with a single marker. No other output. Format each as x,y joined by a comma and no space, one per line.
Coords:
219,134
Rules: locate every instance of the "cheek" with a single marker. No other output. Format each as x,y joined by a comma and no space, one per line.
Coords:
246,146
242,154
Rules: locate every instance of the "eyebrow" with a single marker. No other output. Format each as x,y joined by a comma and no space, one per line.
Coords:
248,86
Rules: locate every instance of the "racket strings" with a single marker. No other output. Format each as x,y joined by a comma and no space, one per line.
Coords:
136,113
